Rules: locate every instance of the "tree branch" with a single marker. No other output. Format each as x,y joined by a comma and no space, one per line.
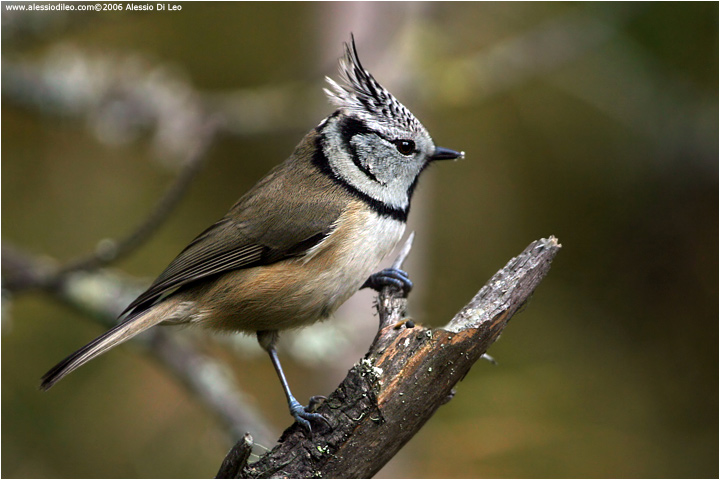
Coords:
406,375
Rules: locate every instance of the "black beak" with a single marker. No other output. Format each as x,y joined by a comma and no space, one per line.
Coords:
446,154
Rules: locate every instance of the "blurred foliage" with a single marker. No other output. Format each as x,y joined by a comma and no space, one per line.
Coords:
597,123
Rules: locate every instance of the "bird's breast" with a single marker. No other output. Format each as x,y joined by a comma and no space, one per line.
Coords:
344,260
302,290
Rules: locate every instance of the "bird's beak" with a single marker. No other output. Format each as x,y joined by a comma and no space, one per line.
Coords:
446,154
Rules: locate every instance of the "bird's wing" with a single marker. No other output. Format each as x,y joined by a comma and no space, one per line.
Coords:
284,215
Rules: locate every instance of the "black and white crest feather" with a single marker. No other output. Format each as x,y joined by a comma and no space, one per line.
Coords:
363,96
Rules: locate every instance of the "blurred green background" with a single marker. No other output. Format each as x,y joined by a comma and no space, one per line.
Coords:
596,123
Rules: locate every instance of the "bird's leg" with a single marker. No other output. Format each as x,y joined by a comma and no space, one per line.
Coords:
267,339
390,277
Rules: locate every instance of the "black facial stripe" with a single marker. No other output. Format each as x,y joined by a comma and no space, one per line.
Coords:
349,127
322,163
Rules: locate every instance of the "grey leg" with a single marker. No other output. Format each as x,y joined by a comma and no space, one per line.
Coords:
267,339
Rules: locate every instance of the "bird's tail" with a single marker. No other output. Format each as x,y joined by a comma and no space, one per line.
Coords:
100,345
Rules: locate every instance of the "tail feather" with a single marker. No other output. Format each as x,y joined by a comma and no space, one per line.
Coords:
113,337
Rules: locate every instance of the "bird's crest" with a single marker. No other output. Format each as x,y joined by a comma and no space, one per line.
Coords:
363,96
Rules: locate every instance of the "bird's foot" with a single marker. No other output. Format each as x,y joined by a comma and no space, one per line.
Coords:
304,416
390,277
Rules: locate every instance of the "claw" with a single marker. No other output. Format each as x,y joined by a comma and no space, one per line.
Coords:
303,417
390,277
315,402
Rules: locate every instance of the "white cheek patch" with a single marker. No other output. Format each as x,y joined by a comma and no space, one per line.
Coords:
371,166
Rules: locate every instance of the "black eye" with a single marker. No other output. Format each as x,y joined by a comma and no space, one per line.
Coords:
406,147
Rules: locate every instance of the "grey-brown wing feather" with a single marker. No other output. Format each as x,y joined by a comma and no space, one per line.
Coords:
284,215
204,257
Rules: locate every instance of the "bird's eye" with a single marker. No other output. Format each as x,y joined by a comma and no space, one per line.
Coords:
406,147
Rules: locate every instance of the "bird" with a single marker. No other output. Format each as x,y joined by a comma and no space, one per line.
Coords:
303,239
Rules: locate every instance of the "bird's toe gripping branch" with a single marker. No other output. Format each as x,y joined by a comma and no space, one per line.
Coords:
390,277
